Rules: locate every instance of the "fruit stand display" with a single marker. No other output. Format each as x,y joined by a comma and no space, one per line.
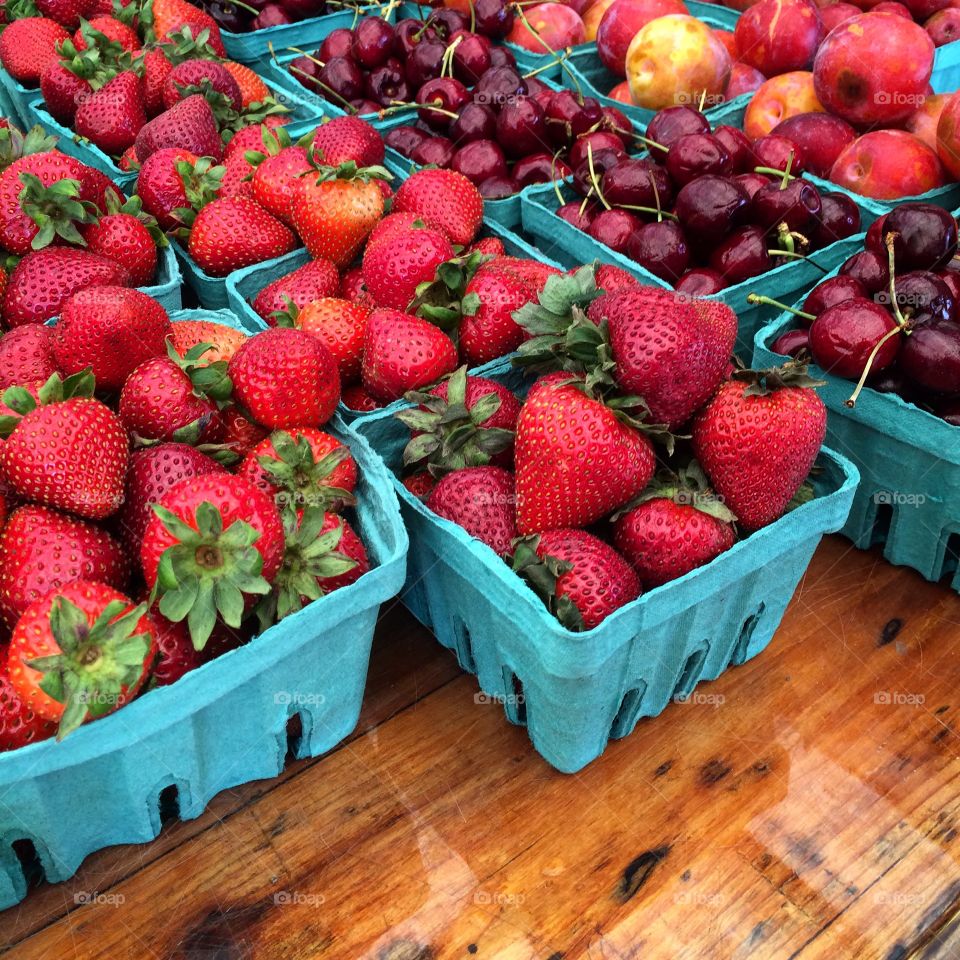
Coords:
285,283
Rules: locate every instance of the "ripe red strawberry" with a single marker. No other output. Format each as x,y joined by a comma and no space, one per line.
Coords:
664,539
112,117
176,654
356,398
575,460
240,434
42,549
28,46
402,352
156,68
461,422
757,440
581,579
420,484
223,341
160,184
125,235
276,177
252,88
63,91
113,29
348,138
225,542
19,725
611,279
394,223
334,211
43,280
394,267
315,280
112,330
482,500
189,125
251,137
489,246
491,331
80,653
446,200
26,355
171,16
174,398
67,453
339,325
236,181
305,467
191,76
352,288
153,471
535,273
233,233
285,378
66,12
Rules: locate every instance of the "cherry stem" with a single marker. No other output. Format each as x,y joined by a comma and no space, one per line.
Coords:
774,172
446,63
852,400
553,175
797,256
431,105
652,143
890,239
657,210
763,301
561,57
347,105
473,17
593,176
310,57
786,178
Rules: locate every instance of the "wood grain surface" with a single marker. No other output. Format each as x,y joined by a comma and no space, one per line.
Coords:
805,805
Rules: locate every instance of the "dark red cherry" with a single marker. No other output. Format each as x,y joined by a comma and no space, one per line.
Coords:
791,343
564,117
373,42
636,183
926,236
603,160
498,188
476,122
307,73
710,207
831,291
738,145
499,86
434,150
445,93
447,21
337,43
614,228
386,85
922,296
425,62
365,107
343,77
875,239
775,151
615,121
539,168
502,57
743,254
407,37
597,141
952,279
930,358
869,268
471,56
700,282
404,139
272,15
661,248
521,127
696,155
480,160
839,218
578,214
797,204
670,124
844,335
751,182
494,18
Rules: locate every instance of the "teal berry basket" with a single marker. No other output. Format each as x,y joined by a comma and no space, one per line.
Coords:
217,727
946,68
565,243
252,47
15,100
909,460
166,286
576,691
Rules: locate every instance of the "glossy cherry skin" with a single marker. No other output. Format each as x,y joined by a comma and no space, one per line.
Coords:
738,145
922,297
603,160
272,15
661,248
365,107
480,160
839,218
434,150
494,18
752,182
596,142
696,155
425,62
337,43
471,58
498,87
869,268
406,37
743,254
614,228
926,236
952,279
667,126
791,343
637,183
832,291
343,77
497,188
502,57
876,236
710,207
476,122
404,139
700,282
386,85
567,118
539,168
522,128
373,42
930,358
775,152
571,212
447,21
228,16
615,121
797,204
447,94
844,335
307,73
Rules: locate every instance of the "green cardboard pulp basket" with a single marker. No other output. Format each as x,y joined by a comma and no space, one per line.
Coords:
575,691
909,460
219,726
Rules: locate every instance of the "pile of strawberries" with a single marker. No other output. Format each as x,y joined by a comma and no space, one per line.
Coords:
166,492
590,492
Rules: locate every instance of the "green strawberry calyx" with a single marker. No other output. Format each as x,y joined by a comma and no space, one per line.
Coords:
96,664
687,486
444,301
181,45
348,170
309,556
300,477
761,383
134,207
56,210
207,573
274,140
56,390
15,144
542,573
449,435
99,62
201,185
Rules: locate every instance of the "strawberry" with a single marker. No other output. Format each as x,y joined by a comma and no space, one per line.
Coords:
28,47
128,161
188,124
80,653
251,137
758,438
461,422
346,139
14,144
252,88
26,354
69,452
63,91
611,279
581,579
111,28
224,341
315,280
111,330
156,67
481,500
395,267
19,725
236,180
171,16
41,550
488,246
420,484
394,223
153,471
112,117
356,398
200,76
305,467
338,324
43,280
322,553
446,200
129,236
535,273
490,331
240,434
176,653
285,378
402,352
219,542
233,233
353,289
174,398
165,179
575,460
275,179
67,13
334,210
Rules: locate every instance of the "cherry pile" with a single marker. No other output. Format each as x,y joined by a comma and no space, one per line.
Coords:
706,209
890,318
253,15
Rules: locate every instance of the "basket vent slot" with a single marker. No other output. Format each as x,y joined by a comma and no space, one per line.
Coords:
690,673
515,702
951,558
30,864
294,738
742,645
465,649
168,803
628,714
881,523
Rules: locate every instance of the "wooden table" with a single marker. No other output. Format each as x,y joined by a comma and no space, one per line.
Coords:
810,809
